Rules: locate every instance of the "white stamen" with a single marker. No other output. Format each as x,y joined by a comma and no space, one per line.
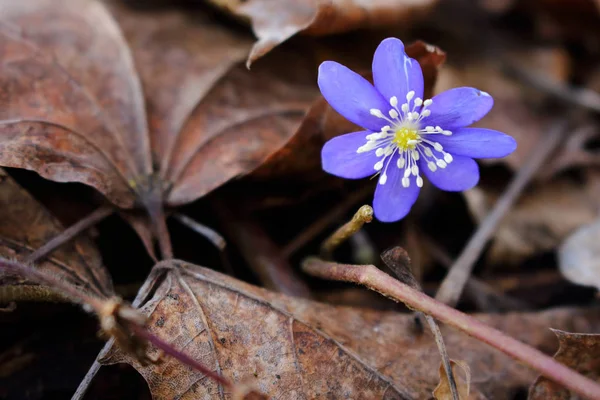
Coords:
418,102
428,152
425,113
419,181
383,179
447,133
389,150
407,172
448,157
431,165
378,165
415,155
375,112
441,163
394,101
379,152
401,162
415,170
405,182
427,102
393,114
437,146
412,142
405,108
410,95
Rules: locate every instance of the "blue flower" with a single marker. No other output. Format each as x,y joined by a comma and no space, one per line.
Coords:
406,136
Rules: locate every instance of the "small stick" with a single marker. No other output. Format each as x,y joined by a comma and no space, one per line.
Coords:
69,233
454,283
326,220
213,236
13,293
378,281
362,216
398,261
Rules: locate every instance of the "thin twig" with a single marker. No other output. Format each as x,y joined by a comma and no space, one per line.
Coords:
213,236
63,287
399,262
12,293
69,233
362,216
454,283
582,97
376,280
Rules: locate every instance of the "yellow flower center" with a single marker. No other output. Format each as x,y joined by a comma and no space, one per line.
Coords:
406,138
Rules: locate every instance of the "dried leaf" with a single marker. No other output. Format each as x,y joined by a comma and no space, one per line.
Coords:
166,120
579,256
27,225
274,22
578,351
295,348
462,377
300,158
544,216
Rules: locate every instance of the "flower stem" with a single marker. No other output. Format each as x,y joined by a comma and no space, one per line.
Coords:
362,216
376,280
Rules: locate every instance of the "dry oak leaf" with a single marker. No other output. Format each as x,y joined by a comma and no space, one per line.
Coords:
151,109
542,218
27,225
578,351
292,348
275,21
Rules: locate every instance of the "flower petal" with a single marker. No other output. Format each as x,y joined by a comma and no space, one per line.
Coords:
461,174
477,143
395,73
339,156
393,201
351,95
458,107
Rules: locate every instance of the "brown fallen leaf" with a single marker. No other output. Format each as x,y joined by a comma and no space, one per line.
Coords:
300,158
274,22
294,348
579,256
27,225
577,350
544,216
462,375
151,111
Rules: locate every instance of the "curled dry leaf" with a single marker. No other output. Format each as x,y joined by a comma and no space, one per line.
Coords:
579,256
294,348
577,350
462,376
300,158
274,22
153,110
544,216
27,225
